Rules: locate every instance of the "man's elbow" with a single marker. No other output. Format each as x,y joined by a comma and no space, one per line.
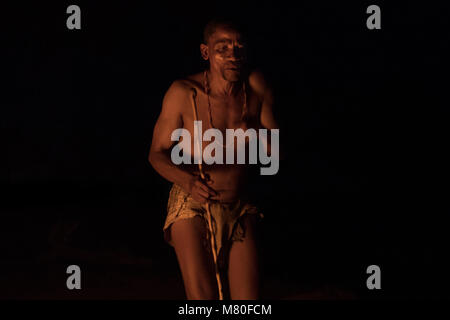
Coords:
155,157
152,158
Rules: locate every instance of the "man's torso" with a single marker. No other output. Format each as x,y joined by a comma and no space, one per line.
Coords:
226,113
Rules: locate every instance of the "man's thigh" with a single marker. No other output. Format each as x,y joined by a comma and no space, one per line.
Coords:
243,267
196,262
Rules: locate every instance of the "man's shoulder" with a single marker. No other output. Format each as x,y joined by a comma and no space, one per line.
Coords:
177,97
258,82
185,84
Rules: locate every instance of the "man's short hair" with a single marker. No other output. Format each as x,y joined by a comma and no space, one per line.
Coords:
215,23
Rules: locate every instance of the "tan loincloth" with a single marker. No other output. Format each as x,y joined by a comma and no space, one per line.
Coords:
226,222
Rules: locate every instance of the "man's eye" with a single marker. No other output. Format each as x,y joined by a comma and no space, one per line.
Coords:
222,48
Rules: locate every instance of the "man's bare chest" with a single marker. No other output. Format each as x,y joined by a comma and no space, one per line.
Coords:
224,114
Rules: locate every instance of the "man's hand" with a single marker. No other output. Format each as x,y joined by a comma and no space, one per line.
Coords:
200,190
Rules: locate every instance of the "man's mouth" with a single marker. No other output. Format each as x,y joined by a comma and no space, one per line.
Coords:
234,67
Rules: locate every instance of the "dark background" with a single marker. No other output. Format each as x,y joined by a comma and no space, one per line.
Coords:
361,111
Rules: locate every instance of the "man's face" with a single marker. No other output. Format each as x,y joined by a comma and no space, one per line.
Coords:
225,51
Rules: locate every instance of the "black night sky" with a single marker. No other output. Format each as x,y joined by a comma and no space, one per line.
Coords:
362,115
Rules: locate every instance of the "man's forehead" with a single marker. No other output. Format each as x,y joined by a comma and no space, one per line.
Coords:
225,34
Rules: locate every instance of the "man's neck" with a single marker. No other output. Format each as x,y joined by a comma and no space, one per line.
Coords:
221,87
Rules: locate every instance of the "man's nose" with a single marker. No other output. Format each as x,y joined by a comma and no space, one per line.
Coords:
235,54
232,57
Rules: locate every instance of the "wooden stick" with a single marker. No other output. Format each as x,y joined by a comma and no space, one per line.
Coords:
208,212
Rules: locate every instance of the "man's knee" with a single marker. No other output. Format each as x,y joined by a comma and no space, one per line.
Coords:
201,289
195,259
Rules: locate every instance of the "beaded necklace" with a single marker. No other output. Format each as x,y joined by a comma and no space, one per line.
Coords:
208,89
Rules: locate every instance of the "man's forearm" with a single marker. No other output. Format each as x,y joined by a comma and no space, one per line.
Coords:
162,163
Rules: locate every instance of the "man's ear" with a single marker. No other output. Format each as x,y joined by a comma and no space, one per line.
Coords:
204,51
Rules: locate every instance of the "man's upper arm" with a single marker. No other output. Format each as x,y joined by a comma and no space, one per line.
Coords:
265,92
170,117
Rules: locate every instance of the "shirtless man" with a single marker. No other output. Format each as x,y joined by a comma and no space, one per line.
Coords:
230,89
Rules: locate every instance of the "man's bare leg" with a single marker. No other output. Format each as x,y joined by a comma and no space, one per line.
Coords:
196,263
243,267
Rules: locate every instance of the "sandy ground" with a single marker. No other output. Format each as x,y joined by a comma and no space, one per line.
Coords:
131,261
125,282
121,276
